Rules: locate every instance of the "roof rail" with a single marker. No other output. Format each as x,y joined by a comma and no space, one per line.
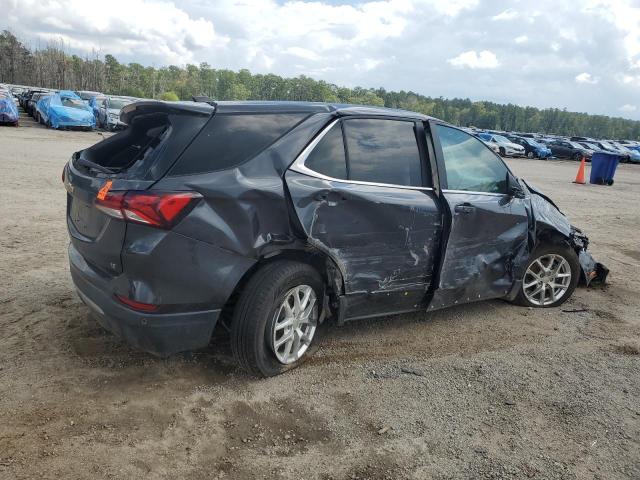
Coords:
204,99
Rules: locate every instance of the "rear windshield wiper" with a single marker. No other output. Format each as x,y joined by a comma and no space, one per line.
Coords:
94,166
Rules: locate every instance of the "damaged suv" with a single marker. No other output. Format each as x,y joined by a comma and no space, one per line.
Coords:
270,218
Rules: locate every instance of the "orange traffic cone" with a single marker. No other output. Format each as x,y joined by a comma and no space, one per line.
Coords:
580,175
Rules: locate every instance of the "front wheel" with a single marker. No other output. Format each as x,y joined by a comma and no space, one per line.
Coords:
276,318
530,155
551,277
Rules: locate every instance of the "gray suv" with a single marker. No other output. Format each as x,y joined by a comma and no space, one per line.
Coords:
270,218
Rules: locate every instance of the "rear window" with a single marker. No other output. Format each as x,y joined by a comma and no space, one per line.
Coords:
73,103
231,139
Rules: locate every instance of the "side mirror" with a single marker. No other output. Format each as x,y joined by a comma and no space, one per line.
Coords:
514,189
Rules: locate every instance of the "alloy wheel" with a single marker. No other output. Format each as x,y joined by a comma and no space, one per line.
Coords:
294,324
547,279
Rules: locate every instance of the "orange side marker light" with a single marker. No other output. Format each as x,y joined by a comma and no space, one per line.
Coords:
102,193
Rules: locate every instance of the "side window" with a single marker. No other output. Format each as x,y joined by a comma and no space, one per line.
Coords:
328,156
231,139
383,151
470,166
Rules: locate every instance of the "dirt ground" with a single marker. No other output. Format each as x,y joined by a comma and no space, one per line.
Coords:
487,390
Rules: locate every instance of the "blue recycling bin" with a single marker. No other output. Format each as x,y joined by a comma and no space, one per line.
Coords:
603,168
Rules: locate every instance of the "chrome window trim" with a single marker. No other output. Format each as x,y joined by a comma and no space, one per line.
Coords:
299,166
473,192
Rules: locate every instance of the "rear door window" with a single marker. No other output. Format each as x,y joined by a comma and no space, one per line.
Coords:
328,157
383,151
231,139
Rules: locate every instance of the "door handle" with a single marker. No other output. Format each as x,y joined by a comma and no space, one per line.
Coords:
464,208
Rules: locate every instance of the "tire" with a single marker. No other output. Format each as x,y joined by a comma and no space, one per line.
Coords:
255,315
544,252
502,151
530,154
577,157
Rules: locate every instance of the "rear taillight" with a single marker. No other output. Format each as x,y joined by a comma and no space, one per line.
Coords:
141,307
156,209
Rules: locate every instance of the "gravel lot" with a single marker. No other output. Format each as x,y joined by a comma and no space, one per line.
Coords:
487,390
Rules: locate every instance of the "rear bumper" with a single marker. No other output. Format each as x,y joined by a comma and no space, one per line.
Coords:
160,334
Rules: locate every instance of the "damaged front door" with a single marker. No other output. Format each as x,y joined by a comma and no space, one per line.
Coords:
363,195
488,236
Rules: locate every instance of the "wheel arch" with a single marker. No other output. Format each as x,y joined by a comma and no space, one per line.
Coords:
320,261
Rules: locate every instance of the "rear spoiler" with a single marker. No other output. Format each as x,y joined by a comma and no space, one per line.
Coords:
145,107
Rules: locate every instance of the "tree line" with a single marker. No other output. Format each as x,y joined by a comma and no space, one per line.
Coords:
52,67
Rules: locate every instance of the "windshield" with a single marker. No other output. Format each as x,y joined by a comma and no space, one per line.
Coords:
118,103
575,145
73,103
501,139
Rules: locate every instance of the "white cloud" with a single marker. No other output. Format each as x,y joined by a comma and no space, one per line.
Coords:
124,27
472,59
628,108
585,77
521,39
625,16
303,53
508,14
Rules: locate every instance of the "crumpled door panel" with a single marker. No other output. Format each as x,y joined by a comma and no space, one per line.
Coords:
383,239
487,240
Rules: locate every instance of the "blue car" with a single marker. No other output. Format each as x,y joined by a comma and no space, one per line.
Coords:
8,109
65,109
532,148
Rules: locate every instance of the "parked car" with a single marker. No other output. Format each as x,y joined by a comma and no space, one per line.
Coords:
282,214
569,149
17,91
591,148
492,145
109,112
612,148
629,154
65,109
532,149
24,98
95,103
8,109
31,103
506,148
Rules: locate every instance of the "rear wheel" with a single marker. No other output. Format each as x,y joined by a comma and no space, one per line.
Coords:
551,277
530,154
276,318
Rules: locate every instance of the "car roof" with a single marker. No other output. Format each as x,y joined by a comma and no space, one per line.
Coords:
273,107
311,107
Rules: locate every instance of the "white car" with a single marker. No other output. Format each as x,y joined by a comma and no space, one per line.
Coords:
506,147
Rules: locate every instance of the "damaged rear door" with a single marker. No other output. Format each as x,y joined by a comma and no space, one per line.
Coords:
363,195
487,243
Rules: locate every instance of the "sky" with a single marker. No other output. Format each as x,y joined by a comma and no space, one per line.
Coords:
582,55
